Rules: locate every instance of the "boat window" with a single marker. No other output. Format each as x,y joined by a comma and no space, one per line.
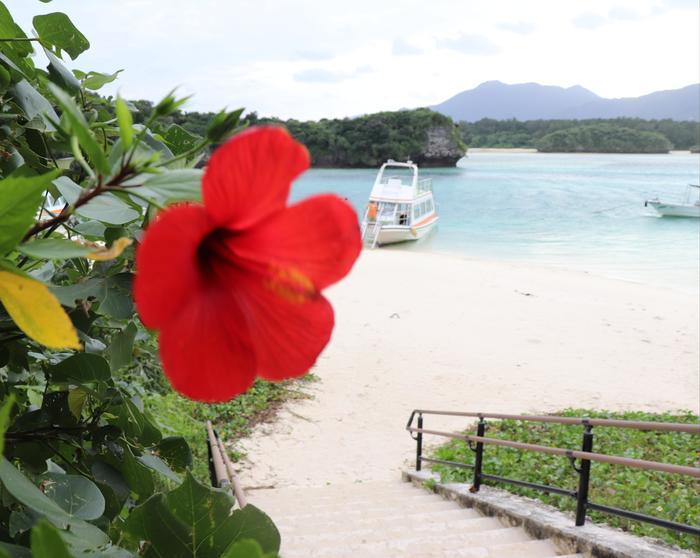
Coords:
404,175
430,205
403,213
416,211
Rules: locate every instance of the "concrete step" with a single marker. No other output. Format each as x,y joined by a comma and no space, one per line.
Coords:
388,520
377,510
410,544
321,504
380,531
417,518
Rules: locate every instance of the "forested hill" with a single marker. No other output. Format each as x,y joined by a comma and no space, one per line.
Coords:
514,133
432,139
422,135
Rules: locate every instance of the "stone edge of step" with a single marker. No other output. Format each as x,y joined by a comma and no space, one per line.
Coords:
545,522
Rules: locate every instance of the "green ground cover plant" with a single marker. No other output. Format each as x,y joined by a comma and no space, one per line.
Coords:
671,497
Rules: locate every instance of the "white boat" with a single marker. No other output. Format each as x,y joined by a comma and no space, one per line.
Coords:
401,206
688,208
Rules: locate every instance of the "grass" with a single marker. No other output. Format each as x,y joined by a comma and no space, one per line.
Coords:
663,495
178,416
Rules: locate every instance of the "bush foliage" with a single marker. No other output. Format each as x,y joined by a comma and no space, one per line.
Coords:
85,469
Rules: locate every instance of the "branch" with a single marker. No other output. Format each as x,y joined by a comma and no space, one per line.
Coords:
84,198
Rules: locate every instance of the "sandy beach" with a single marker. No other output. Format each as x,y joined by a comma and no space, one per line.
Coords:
431,331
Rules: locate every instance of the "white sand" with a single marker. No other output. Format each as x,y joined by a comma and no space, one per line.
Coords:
421,330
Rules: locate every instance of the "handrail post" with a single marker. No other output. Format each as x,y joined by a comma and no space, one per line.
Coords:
584,476
419,442
478,460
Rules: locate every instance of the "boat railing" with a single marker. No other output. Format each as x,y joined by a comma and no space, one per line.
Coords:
424,185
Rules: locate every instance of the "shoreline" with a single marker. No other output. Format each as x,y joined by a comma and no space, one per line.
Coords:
564,266
420,330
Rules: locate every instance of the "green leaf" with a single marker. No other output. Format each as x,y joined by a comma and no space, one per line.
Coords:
138,476
58,30
77,496
20,199
35,106
76,401
196,521
135,424
126,123
112,293
246,549
82,368
30,496
122,347
180,140
5,79
163,533
5,410
54,249
175,185
106,208
176,452
60,75
97,80
16,51
117,301
207,513
46,542
157,464
81,130
14,551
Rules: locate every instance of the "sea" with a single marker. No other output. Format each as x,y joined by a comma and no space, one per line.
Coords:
582,212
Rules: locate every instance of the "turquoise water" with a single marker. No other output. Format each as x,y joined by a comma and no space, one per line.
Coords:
582,212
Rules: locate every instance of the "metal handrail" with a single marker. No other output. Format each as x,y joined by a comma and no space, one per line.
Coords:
586,456
572,454
220,467
614,423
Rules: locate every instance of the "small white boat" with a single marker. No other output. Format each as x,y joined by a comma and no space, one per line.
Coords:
401,206
689,208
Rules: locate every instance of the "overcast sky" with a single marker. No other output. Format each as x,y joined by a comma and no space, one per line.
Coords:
327,58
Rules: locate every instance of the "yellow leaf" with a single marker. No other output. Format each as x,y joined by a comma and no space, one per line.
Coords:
112,252
37,312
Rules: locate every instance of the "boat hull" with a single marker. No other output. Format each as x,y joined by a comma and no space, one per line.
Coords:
674,209
393,234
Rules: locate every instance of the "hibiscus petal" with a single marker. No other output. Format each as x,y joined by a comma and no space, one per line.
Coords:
206,350
248,178
288,329
318,238
166,262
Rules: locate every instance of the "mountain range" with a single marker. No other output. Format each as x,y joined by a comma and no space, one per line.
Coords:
532,101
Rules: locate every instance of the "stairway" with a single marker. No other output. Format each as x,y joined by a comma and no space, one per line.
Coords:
388,520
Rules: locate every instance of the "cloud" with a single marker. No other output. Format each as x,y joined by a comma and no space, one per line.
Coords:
469,44
316,55
404,48
622,13
519,27
319,75
588,20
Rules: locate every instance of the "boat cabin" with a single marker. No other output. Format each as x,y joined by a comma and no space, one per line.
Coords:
401,205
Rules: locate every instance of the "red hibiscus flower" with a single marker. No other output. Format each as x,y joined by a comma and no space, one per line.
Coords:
233,285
